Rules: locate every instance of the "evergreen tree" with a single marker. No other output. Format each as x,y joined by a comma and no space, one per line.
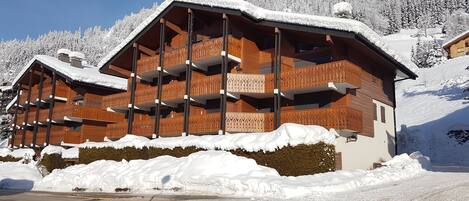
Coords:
426,54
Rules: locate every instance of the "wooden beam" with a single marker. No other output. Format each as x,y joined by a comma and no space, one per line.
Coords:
51,108
159,90
224,71
15,119
187,96
26,106
119,70
130,117
38,106
174,27
146,50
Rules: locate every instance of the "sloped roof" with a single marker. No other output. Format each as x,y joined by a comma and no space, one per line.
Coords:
87,74
260,14
456,39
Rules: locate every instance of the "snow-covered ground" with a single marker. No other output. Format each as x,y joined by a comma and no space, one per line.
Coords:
427,108
208,172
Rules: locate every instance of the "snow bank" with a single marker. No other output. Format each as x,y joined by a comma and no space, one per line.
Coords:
286,135
220,172
432,105
51,149
18,176
70,153
17,153
65,153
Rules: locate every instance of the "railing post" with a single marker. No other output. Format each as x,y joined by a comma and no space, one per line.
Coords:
38,107
224,72
133,75
187,96
26,107
51,108
15,119
277,71
156,130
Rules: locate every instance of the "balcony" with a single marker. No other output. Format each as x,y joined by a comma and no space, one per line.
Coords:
204,54
337,75
60,92
77,113
342,118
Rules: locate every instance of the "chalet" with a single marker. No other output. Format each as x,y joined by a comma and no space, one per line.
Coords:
457,46
197,67
59,100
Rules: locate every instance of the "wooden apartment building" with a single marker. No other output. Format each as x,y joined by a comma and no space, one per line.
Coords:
59,101
198,68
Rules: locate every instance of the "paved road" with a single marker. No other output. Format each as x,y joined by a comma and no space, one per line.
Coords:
6,195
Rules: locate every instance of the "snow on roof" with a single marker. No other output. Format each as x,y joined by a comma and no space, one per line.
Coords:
63,51
78,55
456,38
288,134
11,103
87,74
6,88
340,24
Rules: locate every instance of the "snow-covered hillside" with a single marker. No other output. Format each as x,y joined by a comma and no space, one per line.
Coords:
432,105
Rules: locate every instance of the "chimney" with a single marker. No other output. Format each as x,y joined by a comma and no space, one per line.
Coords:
76,59
63,55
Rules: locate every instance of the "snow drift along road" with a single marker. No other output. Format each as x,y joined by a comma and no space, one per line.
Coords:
220,172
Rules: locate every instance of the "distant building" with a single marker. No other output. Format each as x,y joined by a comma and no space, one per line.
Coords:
458,46
59,101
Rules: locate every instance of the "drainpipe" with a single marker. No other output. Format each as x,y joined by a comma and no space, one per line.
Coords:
277,70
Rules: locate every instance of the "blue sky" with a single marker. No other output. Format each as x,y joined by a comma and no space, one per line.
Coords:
22,18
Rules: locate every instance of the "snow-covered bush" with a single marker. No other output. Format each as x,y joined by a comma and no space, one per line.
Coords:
426,54
342,10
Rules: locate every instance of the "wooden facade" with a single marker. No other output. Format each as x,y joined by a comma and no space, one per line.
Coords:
458,46
198,72
51,109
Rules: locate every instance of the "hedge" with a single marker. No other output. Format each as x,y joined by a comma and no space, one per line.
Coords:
288,161
9,159
52,161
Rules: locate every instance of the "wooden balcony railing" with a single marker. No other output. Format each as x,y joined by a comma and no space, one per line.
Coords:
116,100
318,76
200,51
244,122
84,112
245,83
57,134
60,91
342,118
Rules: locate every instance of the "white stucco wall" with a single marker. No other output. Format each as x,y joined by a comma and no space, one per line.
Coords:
362,153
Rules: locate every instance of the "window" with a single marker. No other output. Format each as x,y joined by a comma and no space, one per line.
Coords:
383,114
375,112
76,128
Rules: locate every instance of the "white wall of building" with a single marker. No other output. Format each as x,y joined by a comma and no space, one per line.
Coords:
362,153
